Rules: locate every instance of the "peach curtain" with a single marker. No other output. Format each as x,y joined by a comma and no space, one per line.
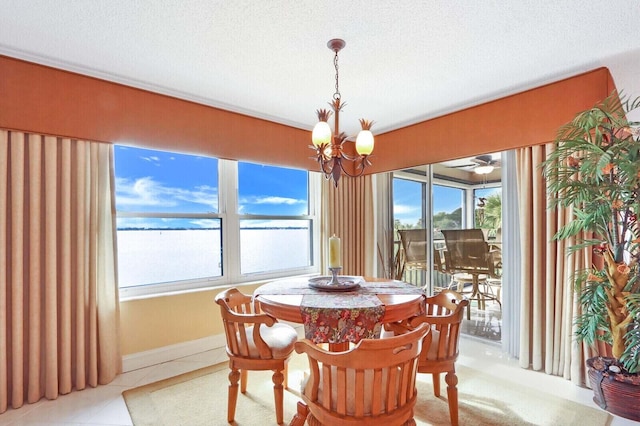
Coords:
59,308
548,302
349,214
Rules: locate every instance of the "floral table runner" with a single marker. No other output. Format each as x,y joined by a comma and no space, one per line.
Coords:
336,317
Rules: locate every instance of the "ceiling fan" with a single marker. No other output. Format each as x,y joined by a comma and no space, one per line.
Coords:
481,164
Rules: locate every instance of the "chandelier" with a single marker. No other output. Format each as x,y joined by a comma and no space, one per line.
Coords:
329,145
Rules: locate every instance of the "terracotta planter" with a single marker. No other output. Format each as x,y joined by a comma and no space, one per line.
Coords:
616,393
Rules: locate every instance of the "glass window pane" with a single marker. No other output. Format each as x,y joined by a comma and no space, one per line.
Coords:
488,211
447,209
274,245
269,190
158,181
407,203
174,250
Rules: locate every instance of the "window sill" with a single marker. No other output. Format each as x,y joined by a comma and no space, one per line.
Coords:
205,288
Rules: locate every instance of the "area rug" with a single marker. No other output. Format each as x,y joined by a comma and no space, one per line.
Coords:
200,398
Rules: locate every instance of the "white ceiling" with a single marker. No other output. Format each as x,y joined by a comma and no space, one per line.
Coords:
405,61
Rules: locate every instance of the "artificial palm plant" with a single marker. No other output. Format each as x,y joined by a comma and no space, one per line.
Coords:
595,170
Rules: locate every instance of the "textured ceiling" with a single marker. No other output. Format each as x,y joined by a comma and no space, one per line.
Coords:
405,61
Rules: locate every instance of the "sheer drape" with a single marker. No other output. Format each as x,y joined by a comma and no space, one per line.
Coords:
58,293
548,302
348,213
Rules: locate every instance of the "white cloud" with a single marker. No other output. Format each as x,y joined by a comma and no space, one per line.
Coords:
153,159
271,200
146,192
400,209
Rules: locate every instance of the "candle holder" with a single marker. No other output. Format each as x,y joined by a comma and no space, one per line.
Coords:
334,276
335,282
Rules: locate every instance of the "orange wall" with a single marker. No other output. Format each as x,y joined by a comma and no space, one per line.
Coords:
524,119
45,100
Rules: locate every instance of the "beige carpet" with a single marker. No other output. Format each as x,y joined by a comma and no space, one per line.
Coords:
200,398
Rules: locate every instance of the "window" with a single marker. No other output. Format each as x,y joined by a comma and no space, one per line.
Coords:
448,204
181,223
275,226
408,203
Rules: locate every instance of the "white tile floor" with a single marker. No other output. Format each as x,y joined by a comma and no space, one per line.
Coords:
104,405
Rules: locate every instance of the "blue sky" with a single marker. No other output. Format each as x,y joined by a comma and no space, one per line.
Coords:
407,199
156,181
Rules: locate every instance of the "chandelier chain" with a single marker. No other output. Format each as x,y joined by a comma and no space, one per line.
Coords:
336,95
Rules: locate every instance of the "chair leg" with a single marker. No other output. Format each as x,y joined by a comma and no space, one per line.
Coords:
286,376
243,381
452,395
278,394
301,416
234,376
436,384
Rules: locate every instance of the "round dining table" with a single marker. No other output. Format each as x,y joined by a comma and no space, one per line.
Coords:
287,299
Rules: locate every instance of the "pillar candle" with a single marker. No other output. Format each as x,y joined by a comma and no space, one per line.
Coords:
334,252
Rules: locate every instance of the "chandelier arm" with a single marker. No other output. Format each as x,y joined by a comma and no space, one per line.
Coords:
325,170
361,167
326,165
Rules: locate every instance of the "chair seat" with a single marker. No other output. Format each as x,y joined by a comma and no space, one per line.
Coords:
281,338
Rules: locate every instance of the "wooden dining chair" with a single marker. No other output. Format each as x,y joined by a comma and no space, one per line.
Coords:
372,383
445,312
255,341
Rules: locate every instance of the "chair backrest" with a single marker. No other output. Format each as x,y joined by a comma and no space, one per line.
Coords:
439,260
373,383
445,312
242,325
414,244
467,250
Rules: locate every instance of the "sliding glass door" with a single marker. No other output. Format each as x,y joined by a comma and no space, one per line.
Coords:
451,195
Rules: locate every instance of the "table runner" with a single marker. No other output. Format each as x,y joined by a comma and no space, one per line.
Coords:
338,317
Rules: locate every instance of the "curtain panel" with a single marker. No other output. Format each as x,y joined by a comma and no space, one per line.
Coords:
59,308
548,301
348,212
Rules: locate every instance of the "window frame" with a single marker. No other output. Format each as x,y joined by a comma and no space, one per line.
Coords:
230,237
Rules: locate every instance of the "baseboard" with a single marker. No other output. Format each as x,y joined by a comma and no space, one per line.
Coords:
172,352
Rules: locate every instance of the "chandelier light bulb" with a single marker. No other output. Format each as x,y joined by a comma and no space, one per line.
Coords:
364,142
321,134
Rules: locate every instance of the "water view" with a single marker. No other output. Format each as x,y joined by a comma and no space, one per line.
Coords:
161,255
